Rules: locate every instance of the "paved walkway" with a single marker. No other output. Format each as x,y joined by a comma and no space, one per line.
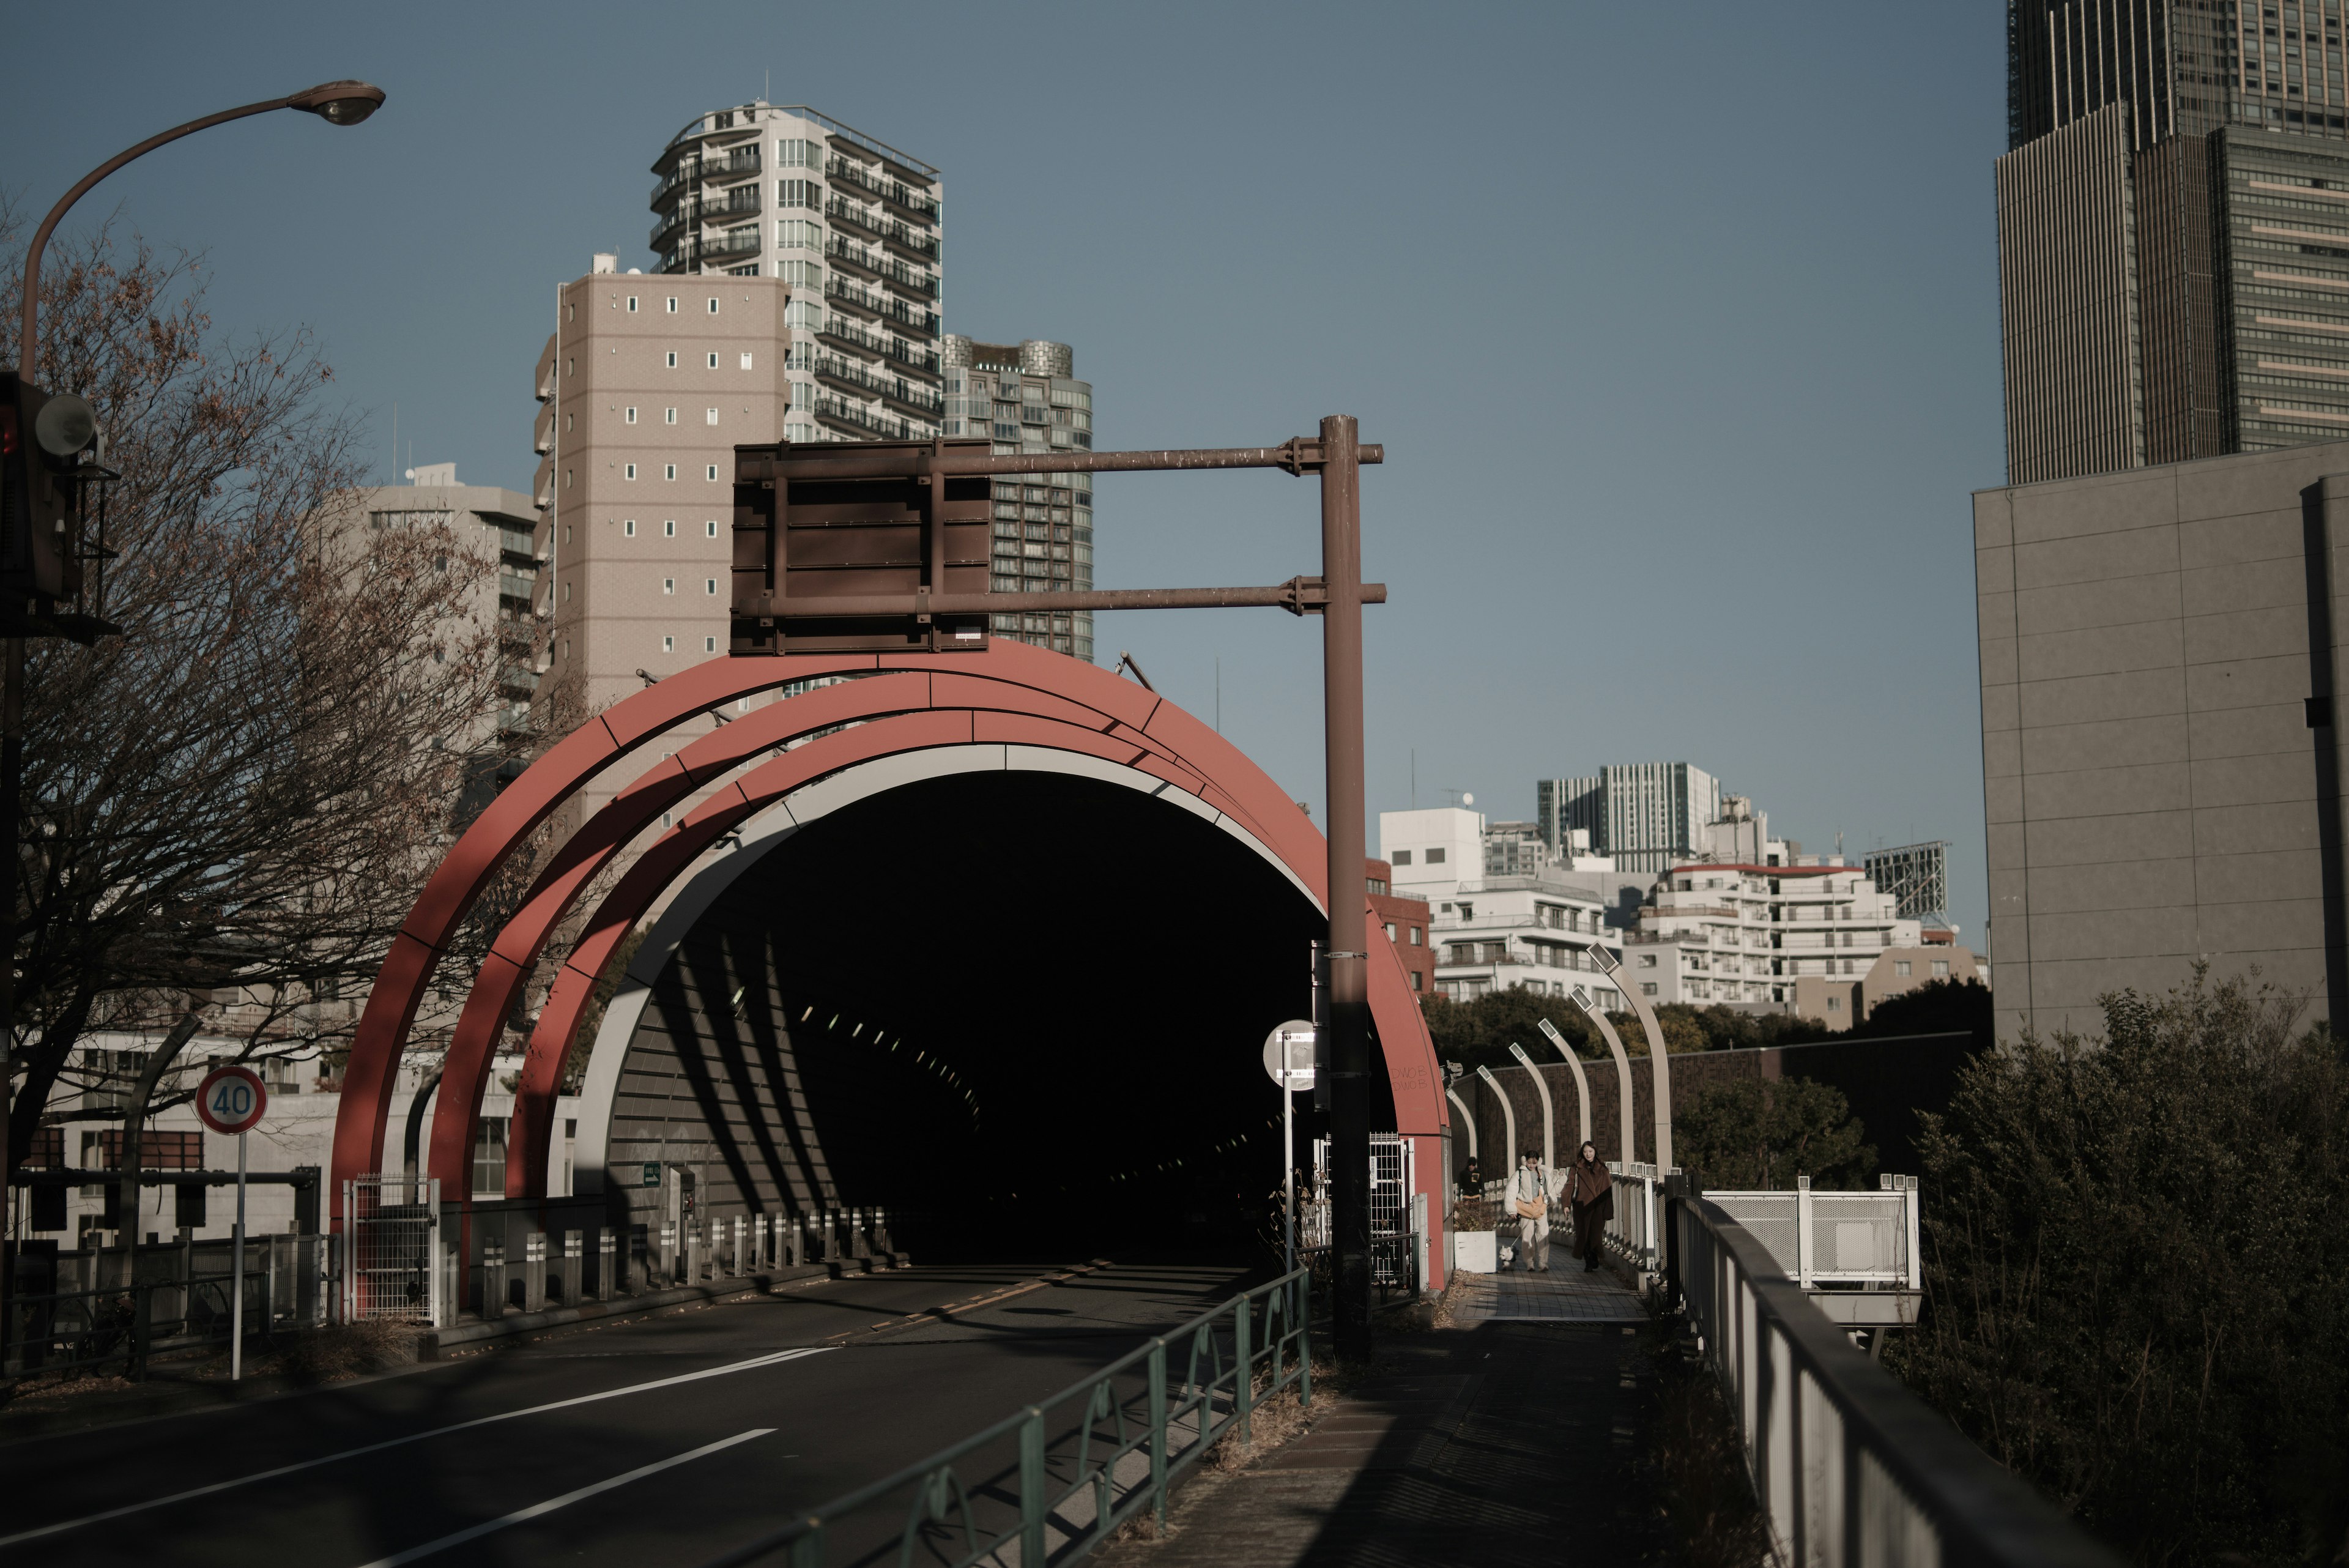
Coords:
1503,1444
1563,1295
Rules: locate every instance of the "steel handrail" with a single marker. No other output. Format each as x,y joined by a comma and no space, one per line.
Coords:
940,1496
1851,1467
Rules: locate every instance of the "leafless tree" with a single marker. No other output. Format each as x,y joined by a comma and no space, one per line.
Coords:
234,804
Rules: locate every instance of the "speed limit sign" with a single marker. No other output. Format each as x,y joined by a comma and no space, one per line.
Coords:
231,1100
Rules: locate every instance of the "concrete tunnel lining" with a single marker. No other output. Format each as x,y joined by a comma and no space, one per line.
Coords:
703,887
631,1022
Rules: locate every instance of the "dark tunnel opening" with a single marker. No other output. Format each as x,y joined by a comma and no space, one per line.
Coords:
1025,1011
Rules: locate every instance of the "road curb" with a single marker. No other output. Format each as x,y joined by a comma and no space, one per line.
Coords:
430,1345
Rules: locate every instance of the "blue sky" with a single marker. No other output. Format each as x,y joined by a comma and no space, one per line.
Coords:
1679,323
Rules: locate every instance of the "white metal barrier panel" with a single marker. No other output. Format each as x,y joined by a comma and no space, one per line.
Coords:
1852,1470
1852,1238
392,1262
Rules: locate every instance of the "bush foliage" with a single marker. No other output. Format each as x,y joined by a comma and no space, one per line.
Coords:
1758,1134
2137,1274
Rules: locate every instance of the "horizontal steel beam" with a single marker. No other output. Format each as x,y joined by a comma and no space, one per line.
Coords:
307,1176
1301,596
1301,456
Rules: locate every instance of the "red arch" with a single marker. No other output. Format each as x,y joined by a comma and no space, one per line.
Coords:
1010,693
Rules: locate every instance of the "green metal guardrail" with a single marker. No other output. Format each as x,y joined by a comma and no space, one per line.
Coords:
1109,1463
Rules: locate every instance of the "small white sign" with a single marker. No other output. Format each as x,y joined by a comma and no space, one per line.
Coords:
1288,1056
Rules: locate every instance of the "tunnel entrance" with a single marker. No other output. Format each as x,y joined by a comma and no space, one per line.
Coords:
1023,1010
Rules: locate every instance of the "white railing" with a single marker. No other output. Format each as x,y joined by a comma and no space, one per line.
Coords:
1636,1227
1857,1237
1852,1470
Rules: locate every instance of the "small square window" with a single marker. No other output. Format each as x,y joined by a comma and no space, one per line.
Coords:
631,416
746,361
1402,857
713,305
629,471
672,358
1941,967
712,527
710,416
669,470
710,586
713,361
711,472
1900,966
672,304
632,305
668,528
669,645
708,645
668,585
628,528
668,416
1435,858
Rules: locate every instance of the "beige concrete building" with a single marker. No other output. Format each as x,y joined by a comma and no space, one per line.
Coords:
2160,654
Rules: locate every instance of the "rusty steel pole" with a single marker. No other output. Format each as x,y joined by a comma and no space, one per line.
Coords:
1349,953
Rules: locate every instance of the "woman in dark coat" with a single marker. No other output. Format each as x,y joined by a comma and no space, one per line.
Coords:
1590,1190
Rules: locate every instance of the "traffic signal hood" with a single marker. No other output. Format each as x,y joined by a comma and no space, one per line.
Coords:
44,441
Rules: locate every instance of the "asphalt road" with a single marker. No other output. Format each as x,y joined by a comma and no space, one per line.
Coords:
656,1442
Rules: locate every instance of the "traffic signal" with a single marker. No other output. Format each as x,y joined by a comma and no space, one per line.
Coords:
43,441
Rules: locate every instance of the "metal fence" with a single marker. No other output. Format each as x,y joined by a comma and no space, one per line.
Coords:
392,1262
1636,1227
1081,1463
110,1309
1851,1467
1837,1238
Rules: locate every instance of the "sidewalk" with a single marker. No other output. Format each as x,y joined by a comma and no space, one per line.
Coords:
1513,1438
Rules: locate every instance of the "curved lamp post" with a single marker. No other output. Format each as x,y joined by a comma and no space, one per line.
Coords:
1581,1080
1598,1015
1659,1057
1549,1112
336,103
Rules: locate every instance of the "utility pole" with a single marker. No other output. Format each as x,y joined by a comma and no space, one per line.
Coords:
1348,952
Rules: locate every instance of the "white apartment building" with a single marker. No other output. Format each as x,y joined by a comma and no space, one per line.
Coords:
1801,934
853,231
1493,933
297,1131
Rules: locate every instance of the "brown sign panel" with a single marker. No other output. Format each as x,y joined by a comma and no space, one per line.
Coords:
831,520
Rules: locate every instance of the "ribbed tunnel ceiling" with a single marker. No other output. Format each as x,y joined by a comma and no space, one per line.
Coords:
1004,990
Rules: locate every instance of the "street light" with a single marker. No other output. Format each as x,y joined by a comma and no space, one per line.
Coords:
336,103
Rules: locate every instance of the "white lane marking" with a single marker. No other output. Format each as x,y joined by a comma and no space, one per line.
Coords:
755,1362
534,1510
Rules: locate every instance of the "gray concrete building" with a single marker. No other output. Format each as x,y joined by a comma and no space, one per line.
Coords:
2161,763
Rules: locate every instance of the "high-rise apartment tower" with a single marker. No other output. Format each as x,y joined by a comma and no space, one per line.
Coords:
2173,216
1027,399
850,224
1649,816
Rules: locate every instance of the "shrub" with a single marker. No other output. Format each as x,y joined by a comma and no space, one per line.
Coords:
2136,1256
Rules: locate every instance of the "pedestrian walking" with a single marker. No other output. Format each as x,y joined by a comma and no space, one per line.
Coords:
1592,1201
1530,1191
